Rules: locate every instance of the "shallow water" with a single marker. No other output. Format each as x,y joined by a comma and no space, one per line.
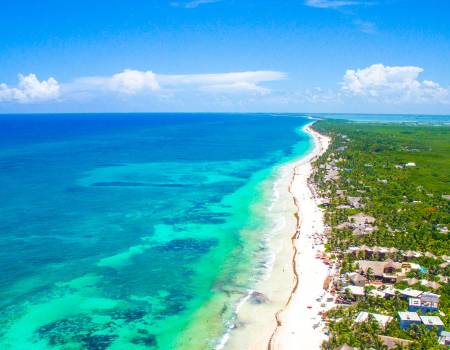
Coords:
133,231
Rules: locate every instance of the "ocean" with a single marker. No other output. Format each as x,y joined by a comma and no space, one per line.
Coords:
134,231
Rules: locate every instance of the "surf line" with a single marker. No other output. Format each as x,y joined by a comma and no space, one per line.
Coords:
294,237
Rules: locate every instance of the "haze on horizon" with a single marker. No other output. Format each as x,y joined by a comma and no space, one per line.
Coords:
386,56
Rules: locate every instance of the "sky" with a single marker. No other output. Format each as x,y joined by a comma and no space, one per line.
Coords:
335,56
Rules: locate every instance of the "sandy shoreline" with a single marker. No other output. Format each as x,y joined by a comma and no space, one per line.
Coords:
299,324
296,276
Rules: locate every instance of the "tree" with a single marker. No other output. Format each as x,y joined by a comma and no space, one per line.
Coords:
369,274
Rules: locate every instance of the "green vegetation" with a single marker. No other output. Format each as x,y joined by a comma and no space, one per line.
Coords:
400,176
408,201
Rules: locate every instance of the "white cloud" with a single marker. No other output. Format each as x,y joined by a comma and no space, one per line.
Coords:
132,82
392,84
193,4
30,90
333,4
224,82
236,87
129,82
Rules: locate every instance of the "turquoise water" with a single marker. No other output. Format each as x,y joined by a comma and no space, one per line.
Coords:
132,231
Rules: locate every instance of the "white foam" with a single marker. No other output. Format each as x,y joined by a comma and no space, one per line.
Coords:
224,339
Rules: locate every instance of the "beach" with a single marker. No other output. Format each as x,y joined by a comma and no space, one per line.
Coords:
300,325
287,317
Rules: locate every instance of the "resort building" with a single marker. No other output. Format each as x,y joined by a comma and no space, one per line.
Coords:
355,290
360,224
388,271
444,339
382,320
393,343
357,279
380,253
407,319
389,292
433,322
430,284
430,297
416,304
361,219
410,293
410,254
355,202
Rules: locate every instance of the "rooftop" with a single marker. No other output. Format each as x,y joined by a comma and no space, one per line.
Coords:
392,342
409,316
363,316
431,321
362,218
355,290
412,293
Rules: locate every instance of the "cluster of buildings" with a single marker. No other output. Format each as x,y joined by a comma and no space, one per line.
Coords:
381,253
409,319
423,308
375,270
331,171
360,224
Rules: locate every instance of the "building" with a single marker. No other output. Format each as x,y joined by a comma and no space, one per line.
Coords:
361,219
377,293
355,290
416,304
389,292
430,284
408,319
393,343
355,202
357,279
430,297
388,271
381,253
433,322
360,224
411,281
410,254
410,293
444,339
382,320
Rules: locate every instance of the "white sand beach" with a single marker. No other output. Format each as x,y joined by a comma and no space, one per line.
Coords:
294,285
300,323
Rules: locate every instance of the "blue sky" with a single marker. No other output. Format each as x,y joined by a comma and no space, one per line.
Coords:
388,56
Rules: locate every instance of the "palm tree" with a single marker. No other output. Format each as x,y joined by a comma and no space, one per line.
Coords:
369,274
378,344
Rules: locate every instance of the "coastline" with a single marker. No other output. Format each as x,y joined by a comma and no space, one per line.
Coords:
277,319
299,323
